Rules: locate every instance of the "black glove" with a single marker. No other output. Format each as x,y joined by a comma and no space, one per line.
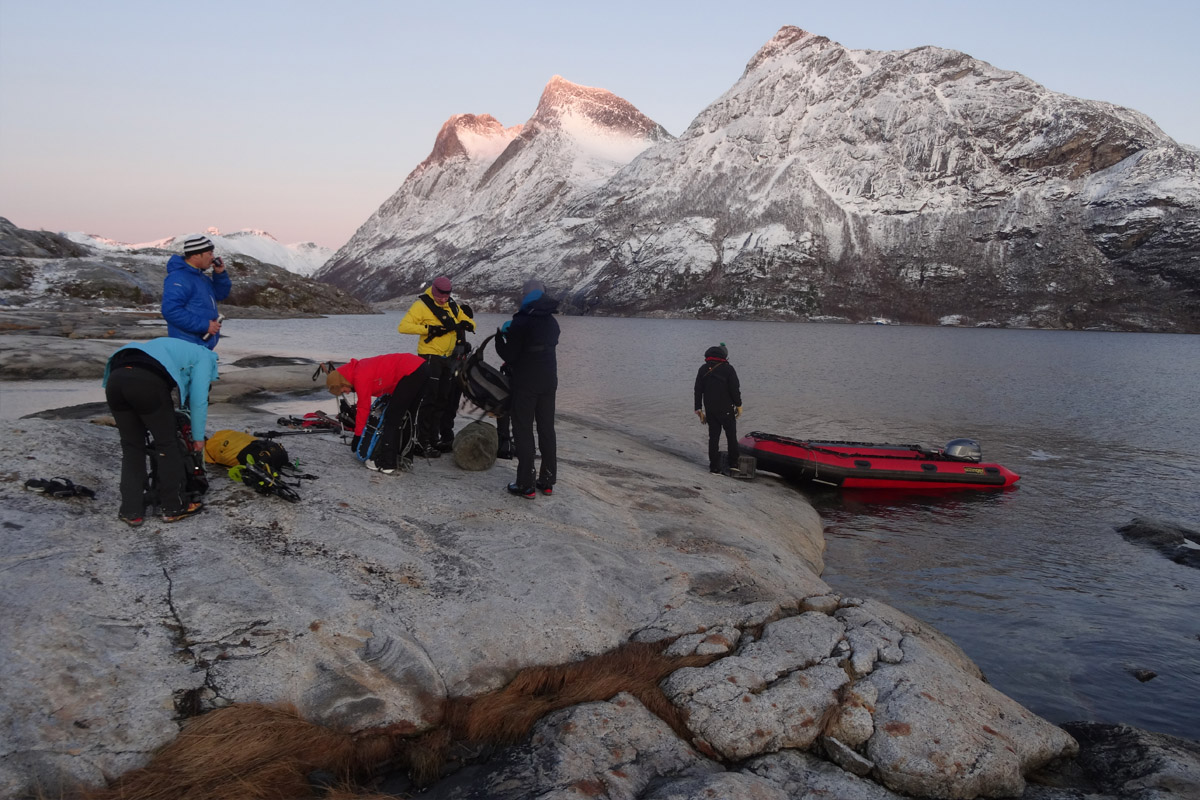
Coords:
466,326
436,331
354,443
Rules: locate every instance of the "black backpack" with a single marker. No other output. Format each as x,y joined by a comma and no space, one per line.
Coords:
262,463
195,483
482,384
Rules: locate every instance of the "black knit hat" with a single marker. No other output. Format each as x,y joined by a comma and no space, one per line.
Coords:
717,351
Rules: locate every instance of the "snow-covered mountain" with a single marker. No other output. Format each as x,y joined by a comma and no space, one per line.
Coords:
914,185
484,182
303,258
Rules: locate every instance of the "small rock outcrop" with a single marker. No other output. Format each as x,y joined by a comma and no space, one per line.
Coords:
1176,542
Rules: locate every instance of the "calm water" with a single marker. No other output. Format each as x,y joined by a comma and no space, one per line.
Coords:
1034,584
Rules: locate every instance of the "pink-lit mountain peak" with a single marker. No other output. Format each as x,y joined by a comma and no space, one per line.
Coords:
562,99
784,39
473,136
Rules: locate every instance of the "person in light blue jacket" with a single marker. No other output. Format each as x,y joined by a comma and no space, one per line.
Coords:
189,302
138,380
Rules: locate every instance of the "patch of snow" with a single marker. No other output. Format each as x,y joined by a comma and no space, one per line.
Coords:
92,240
302,258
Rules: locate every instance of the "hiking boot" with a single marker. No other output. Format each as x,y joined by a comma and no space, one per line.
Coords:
371,465
545,488
504,451
446,446
133,522
192,508
427,451
528,494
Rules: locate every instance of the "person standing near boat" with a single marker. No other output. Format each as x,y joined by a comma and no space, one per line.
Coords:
720,393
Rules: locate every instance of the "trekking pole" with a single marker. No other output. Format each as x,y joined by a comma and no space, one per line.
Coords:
306,432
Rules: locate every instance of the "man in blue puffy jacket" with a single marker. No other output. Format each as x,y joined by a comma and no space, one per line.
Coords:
189,303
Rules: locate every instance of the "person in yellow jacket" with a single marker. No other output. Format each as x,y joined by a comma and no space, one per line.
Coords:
441,326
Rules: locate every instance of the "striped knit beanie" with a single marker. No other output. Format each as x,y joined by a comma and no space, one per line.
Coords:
194,245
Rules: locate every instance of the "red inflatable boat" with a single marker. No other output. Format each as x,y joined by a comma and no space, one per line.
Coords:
863,465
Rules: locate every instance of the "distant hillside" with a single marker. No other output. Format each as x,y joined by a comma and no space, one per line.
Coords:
40,270
303,258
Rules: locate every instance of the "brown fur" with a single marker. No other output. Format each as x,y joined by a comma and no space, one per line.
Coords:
246,752
256,752
509,714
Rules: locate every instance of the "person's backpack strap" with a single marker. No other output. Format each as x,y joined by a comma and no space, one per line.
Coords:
445,317
449,319
718,376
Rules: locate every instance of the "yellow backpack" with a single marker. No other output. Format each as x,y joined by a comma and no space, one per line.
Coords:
258,463
223,447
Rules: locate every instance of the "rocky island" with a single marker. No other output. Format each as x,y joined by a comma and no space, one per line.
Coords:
650,631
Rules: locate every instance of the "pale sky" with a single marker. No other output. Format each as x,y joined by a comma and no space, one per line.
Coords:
141,119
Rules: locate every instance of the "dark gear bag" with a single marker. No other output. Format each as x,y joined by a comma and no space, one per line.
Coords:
346,414
482,384
195,482
258,463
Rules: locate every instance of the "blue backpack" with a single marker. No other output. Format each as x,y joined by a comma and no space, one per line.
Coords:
373,430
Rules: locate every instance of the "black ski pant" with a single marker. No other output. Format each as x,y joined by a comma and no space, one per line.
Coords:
435,420
726,422
141,401
527,409
453,401
399,422
504,437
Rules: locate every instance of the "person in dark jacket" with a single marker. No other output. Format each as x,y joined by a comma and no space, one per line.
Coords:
527,344
138,380
718,387
189,301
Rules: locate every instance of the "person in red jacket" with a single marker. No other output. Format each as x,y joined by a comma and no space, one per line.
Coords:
401,375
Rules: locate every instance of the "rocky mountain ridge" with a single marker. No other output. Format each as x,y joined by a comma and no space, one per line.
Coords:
302,258
41,271
914,185
462,197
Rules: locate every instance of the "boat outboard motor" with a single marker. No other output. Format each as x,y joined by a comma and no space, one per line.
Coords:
963,450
